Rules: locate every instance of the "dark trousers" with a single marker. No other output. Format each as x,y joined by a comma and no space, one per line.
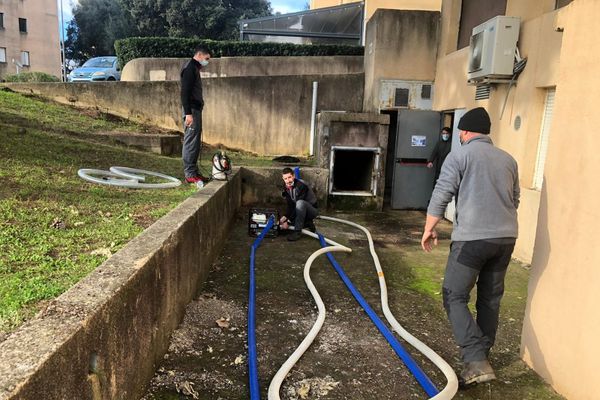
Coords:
481,262
304,212
192,143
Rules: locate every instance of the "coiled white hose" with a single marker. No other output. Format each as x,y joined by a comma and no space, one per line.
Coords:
277,380
452,386
127,177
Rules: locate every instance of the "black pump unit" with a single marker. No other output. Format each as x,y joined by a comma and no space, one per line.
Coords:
258,218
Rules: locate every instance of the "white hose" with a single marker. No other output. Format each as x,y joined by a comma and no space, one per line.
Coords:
314,235
127,177
452,386
291,361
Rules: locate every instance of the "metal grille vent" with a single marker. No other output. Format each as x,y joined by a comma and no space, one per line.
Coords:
482,92
426,92
401,98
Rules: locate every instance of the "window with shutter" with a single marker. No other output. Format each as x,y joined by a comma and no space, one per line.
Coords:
538,176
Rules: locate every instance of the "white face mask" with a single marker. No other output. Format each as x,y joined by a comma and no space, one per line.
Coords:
445,137
204,63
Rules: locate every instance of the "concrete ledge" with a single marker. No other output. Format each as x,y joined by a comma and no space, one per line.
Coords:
103,337
169,69
165,145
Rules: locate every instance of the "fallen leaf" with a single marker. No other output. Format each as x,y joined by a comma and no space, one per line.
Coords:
304,390
223,322
238,360
102,252
187,389
58,224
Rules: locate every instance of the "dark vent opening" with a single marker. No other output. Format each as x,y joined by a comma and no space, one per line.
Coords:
401,98
353,170
426,92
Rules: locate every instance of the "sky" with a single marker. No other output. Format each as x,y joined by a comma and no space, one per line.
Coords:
287,6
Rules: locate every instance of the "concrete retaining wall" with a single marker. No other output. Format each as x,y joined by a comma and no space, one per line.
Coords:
267,115
168,69
103,338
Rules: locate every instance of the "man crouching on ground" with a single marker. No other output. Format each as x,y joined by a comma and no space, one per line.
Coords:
301,205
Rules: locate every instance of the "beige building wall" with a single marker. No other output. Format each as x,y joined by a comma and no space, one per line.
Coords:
387,57
562,321
541,44
373,5
41,40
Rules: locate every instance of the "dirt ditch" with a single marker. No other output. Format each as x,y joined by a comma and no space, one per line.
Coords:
349,358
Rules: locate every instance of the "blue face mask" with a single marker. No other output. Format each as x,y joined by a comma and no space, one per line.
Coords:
445,137
204,63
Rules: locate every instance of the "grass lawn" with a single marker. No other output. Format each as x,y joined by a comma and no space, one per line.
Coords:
54,227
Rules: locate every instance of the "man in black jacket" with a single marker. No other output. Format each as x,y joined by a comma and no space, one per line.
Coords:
301,205
193,103
440,152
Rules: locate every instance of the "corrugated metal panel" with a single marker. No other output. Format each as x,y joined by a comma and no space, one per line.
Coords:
538,176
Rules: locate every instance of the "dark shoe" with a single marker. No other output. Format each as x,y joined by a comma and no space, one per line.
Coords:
476,372
311,226
294,236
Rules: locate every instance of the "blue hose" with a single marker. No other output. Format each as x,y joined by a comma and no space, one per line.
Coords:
252,359
418,373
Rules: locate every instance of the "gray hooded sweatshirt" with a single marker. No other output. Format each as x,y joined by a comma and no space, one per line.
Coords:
485,182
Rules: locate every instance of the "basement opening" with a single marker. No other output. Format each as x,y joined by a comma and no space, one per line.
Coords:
354,170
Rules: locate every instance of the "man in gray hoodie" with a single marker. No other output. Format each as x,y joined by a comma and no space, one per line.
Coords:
484,180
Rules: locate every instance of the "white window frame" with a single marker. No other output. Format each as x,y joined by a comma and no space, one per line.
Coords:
2,55
25,58
542,152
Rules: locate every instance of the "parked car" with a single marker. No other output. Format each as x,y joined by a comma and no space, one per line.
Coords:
97,69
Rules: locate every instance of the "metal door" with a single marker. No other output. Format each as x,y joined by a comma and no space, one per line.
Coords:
417,134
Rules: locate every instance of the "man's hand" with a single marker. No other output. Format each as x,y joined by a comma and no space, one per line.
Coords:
429,239
429,165
189,120
283,222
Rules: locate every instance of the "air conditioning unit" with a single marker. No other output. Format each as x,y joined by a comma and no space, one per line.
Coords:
493,46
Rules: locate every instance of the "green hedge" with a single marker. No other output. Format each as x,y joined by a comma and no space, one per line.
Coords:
31,77
160,47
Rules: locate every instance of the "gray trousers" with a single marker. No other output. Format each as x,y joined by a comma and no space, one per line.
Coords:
483,262
192,144
304,211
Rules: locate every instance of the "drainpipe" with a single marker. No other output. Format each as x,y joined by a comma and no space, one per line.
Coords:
313,119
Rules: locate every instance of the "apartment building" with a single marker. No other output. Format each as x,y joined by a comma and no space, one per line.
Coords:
29,37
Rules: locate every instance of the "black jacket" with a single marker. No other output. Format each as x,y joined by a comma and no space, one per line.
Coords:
440,152
191,87
300,191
